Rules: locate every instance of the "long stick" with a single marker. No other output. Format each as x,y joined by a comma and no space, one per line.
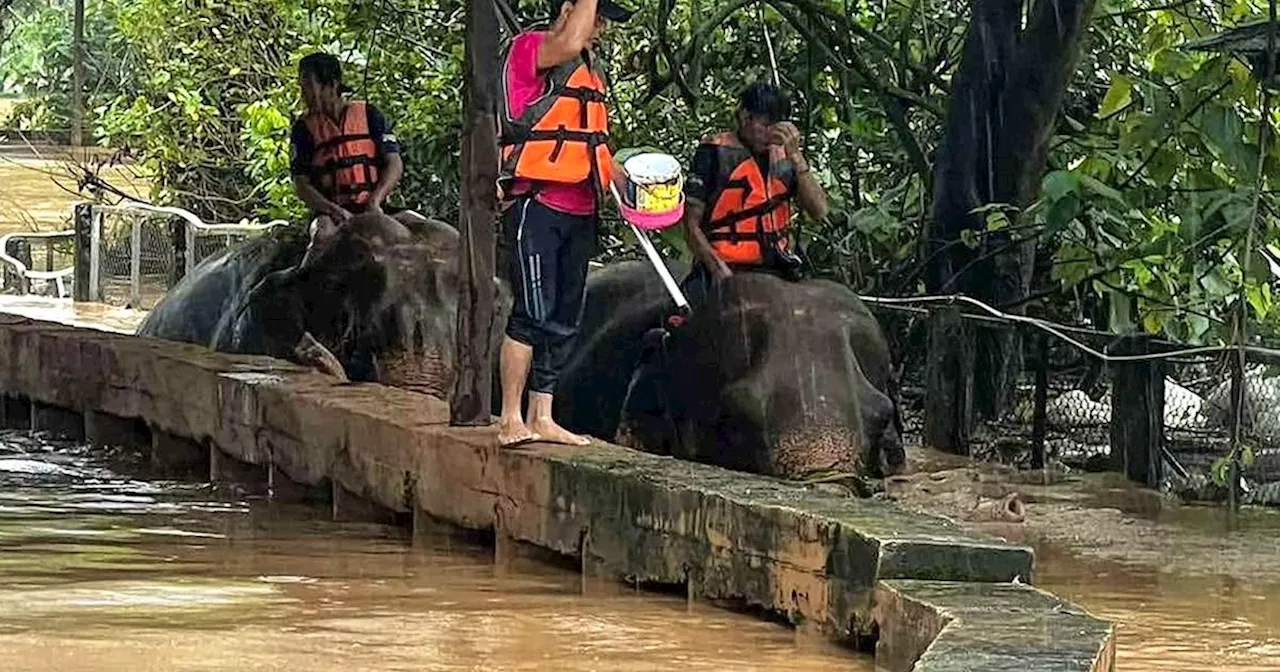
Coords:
658,265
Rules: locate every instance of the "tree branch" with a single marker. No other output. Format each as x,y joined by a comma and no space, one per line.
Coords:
830,16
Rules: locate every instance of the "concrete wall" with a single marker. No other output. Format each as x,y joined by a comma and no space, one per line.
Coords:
819,559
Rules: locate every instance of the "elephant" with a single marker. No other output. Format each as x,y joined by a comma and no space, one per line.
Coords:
378,302
789,379
775,377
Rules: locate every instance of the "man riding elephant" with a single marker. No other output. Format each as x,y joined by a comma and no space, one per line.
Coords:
739,192
344,158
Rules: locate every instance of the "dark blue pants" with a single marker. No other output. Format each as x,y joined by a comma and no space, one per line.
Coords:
547,268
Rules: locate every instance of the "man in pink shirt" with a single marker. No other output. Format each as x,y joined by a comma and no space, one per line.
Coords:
556,169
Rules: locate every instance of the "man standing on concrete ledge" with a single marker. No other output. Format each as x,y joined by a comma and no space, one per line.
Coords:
556,168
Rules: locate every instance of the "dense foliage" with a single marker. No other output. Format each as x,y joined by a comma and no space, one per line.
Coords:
1142,212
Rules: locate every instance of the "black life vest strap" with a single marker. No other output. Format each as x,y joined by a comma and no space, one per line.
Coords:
726,228
339,139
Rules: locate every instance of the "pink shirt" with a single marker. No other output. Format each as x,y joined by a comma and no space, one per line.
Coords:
525,83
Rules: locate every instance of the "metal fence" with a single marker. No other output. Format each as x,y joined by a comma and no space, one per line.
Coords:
136,251
1162,412
37,263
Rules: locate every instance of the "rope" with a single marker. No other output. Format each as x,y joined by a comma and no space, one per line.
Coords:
1055,331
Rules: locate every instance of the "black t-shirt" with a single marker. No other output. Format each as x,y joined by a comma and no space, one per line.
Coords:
303,146
705,179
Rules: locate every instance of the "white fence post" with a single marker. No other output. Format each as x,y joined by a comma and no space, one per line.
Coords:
95,257
135,261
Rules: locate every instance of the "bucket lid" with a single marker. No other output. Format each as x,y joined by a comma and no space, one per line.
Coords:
652,168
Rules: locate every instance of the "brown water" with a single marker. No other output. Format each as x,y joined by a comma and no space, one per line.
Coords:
1172,619
102,572
38,193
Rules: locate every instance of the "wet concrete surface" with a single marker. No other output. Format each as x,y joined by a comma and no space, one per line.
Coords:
99,316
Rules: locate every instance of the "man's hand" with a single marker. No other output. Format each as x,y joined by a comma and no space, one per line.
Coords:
720,270
786,134
340,214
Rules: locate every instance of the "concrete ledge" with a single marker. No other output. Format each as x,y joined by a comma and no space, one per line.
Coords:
944,626
762,542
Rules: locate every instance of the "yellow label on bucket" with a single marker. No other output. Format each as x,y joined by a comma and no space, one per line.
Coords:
658,197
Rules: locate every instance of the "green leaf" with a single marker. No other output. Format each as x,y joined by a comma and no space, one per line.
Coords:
969,239
1198,326
1225,130
1095,186
1119,95
1220,470
1173,62
1062,212
1259,297
1060,183
1151,323
1247,456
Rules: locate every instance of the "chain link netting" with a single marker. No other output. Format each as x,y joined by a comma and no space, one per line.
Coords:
1196,420
154,252
161,239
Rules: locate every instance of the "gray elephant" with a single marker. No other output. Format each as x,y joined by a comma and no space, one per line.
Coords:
780,378
376,303
769,376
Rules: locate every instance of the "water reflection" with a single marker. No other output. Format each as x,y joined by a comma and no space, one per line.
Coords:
99,571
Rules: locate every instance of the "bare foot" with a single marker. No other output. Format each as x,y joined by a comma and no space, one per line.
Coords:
553,433
513,432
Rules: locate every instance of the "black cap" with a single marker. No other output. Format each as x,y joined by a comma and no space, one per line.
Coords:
613,11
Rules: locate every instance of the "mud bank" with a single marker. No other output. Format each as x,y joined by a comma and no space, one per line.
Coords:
850,568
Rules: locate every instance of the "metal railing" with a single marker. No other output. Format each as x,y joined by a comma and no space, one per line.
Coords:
176,244
24,274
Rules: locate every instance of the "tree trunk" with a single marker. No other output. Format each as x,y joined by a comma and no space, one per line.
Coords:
1003,108
471,402
77,75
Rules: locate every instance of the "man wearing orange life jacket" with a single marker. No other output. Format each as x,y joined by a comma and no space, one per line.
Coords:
555,170
344,158
739,194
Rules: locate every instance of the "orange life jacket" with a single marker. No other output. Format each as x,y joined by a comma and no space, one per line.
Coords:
750,212
345,162
563,135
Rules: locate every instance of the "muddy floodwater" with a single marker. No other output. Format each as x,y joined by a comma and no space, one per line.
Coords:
39,192
1172,618
101,571
1189,587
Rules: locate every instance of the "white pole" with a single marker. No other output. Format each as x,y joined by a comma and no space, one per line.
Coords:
672,288
135,263
95,255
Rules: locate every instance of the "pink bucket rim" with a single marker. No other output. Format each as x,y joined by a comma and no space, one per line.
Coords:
652,221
